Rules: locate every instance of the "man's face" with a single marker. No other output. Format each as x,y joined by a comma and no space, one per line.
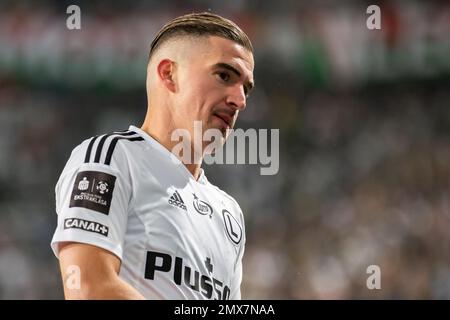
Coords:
213,86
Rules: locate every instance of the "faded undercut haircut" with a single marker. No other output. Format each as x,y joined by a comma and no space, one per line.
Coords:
198,25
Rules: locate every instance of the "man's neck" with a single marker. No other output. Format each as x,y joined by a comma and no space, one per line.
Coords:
162,136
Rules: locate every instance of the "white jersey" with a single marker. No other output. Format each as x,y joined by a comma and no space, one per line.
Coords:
177,238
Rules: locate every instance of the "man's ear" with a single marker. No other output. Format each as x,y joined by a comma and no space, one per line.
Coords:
166,73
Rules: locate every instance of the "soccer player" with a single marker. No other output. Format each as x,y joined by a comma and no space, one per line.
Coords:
137,221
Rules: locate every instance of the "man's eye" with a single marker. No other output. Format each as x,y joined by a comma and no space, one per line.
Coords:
224,76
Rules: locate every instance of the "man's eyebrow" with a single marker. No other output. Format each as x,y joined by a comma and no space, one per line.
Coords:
229,67
249,84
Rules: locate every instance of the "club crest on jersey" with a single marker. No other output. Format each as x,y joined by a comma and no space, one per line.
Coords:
93,190
232,226
202,207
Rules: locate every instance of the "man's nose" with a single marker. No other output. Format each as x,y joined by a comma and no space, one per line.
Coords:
237,98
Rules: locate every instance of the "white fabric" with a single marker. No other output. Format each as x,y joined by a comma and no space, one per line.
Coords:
144,228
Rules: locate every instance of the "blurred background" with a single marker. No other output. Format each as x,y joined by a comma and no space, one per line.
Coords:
364,119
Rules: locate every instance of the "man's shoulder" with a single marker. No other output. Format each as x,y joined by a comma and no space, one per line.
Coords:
104,148
107,150
227,196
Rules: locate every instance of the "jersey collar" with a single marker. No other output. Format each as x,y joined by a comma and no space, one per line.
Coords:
174,159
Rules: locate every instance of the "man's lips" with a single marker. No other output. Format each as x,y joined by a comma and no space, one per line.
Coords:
225,118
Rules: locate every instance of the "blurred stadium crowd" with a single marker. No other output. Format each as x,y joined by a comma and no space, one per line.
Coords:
364,123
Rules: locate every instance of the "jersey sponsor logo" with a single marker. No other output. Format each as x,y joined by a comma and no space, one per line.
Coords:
183,275
202,207
75,223
232,226
176,200
93,190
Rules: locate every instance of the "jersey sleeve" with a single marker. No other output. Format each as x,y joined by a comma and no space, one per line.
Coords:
92,199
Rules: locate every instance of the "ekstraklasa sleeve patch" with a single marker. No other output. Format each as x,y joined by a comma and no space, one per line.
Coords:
93,190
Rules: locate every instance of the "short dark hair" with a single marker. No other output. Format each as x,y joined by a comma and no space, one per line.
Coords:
201,24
